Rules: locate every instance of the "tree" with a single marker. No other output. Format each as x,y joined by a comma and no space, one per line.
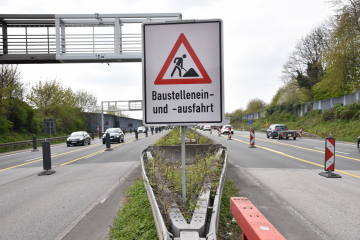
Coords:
49,97
87,101
255,105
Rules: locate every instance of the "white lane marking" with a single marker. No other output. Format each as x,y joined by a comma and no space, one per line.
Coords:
335,151
9,155
273,150
38,158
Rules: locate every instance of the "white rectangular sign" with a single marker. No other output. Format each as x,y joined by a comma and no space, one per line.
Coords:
182,72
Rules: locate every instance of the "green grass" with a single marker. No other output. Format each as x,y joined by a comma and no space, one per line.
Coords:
134,220
174,137
228,229
315,122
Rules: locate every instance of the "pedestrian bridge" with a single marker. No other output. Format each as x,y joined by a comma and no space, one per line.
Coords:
74,38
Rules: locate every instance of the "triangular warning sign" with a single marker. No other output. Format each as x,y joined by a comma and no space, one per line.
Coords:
184,80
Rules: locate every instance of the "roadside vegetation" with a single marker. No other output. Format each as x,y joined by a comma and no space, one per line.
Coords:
174,137
24,106
135,220
324,64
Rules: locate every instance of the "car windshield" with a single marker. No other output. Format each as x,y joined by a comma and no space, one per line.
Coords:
283,127
112,130
77,134
227,126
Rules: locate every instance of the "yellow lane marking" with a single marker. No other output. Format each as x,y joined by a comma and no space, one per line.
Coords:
353,175
91,154
309,149
51,156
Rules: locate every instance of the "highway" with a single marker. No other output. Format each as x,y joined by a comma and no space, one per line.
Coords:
80,200
281,179
49,207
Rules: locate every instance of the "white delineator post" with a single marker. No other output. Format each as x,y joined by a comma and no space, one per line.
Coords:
252,139
329,165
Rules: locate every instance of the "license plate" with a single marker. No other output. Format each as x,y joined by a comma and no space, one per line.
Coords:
289,135
73,142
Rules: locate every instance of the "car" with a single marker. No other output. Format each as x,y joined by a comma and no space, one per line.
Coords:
78,138
206,128
273,130
141,129
226,129
116,135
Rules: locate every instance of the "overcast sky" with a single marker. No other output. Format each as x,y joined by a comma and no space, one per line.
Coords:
258,37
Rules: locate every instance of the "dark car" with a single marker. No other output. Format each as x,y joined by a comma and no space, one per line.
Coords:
78,138
116,135
273,130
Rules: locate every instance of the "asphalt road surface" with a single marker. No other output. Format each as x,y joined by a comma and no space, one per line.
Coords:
80,200
51,207
281,178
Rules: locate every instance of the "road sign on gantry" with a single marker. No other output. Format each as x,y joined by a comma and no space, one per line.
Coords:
183,72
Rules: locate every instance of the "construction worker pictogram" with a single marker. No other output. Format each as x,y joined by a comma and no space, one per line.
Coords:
190,76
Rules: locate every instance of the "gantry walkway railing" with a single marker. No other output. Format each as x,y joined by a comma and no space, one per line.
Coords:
74,38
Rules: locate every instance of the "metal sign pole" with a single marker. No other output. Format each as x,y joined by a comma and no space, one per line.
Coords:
183,162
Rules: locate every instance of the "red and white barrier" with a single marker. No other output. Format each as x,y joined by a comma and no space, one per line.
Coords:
241,128
219,132
300,132
252,139
229,135
329,165
254,225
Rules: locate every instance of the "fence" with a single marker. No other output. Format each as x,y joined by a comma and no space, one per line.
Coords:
320,104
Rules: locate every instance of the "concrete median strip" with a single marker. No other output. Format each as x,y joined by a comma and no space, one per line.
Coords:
303,160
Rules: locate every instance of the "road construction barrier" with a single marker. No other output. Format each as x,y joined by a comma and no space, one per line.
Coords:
46,159
229,135
241,128
253,224
252,139
219,132
300,132
329,165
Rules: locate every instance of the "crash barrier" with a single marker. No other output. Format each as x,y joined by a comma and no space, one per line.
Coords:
253,224
252,139
192,230
329,165
229,135
29,142
46,159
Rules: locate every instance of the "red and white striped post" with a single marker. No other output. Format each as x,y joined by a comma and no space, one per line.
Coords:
241,128
329,165
229,135
252,139
219,133
300,132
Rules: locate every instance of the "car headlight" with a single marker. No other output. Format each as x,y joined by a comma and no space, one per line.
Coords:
117,135
68,139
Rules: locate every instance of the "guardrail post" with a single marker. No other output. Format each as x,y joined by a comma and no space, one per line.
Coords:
108,148
34,144
46,159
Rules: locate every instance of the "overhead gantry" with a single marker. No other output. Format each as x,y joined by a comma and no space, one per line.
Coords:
73,38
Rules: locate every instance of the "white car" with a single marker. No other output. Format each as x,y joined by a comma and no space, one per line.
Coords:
141,129
207,128
226,129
